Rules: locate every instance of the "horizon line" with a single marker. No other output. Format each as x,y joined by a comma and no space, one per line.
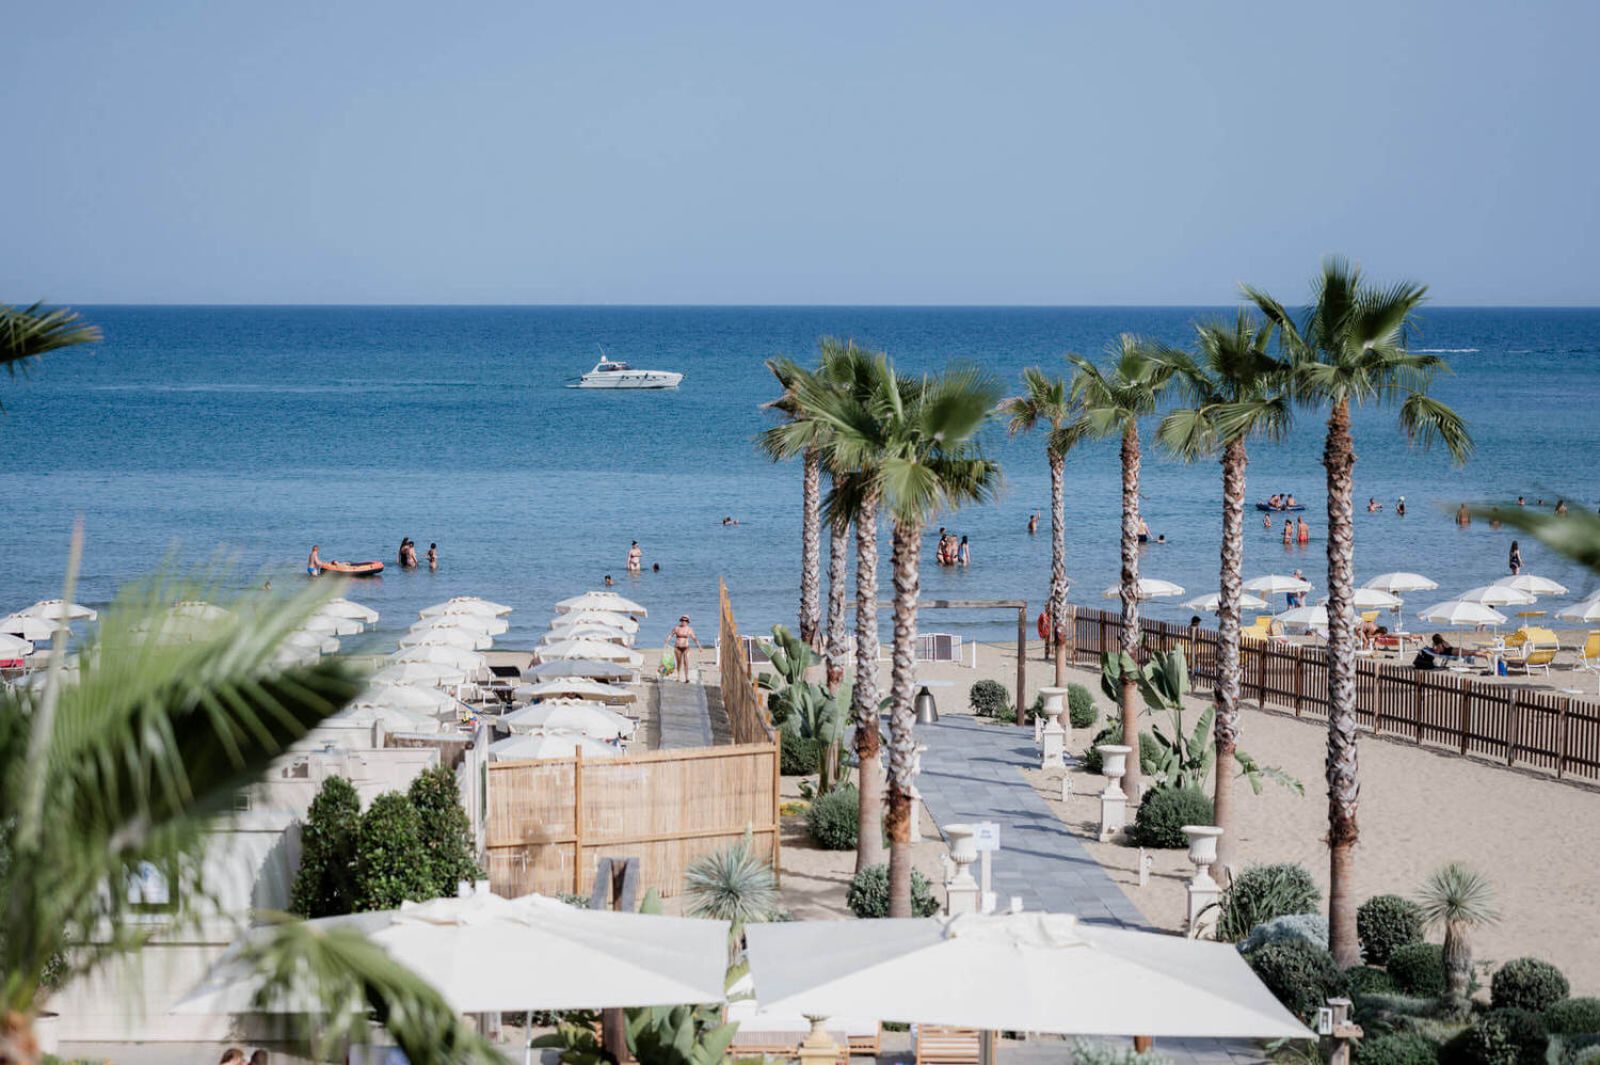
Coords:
779,306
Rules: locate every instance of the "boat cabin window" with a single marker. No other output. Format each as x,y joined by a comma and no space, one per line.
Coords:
606,367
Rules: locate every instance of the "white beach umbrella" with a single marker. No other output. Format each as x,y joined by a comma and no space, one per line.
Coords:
1496,595
1532,584
29,627
596,650
1303,617
348,608
602,601
424,674
479,623
1401,582
176,628
1037,972
430,701
200,611
609,618
1587,611
589,719
465,639
59,610
578,667
1277,584
392,718
464,605
311,641
1457,612
1148,588
551,745
475,951
574,687
327,625
470,662
588,632
1208,604
14,646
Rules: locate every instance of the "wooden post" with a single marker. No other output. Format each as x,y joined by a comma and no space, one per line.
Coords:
577,821
1260,651
1561,738
777,817
1513,730
1421,703
1466,715
1022,664
1299,678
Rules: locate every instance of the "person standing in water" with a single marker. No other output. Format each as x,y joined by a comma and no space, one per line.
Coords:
1463,516
963,555
1033,524
1515,559
1303,531
635,557
314,562
682,633
1400,508
1288,531
433,556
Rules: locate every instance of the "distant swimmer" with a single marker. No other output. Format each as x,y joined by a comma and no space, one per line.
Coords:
1276,502
408,553
1515,559
1033,523
635,557
314,562
1288,530
1291,503
1161,538
1522,501
433,556
1303,531
1400,507
1561,507
1463,516
729,520
1266,521
609,581
655,567
963,554
1373,506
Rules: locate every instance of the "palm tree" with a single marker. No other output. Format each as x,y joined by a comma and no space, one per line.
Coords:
1045,400
1112,402
119,772
1458,900
1350,350
1236,390
916,437
28,332
797,436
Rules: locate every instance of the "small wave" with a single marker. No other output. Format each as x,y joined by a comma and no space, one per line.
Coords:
1446,351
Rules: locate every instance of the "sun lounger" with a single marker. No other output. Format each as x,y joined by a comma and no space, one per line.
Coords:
940,1045
1530,659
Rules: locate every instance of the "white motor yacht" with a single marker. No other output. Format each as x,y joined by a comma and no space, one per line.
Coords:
608,373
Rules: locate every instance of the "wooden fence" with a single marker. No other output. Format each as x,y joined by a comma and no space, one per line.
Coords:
1507,723
550,820
741,699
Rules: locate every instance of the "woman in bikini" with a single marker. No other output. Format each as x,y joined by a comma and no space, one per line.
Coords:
682,633
1288,530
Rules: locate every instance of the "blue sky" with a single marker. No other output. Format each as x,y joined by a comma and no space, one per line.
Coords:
1021,153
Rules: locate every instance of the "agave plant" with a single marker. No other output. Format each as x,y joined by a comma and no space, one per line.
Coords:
1457,899
806,709
731,884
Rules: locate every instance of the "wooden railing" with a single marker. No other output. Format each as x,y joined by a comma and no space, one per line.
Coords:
1511,724
741,699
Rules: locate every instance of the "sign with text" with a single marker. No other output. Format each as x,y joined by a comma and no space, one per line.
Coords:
987,836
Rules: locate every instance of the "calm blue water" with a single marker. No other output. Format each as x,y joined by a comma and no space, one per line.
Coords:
258,431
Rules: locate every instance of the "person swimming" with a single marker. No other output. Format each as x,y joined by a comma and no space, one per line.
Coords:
1161,538
1400,507
1373,506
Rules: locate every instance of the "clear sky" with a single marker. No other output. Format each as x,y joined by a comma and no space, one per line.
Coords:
1015,153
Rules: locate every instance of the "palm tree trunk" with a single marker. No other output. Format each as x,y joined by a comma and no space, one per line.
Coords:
1458,965
1344,778
838,564
811,552
902,717
1234,461
1058,566
864,696
1130,602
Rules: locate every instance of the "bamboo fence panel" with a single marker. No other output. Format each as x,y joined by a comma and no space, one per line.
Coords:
741,699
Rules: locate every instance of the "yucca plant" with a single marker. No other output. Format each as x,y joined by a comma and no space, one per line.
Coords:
731,884
1457,900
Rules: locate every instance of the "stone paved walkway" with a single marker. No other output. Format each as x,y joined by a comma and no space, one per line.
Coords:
684,719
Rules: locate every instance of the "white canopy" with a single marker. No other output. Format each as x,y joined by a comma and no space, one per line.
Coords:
476,951
28,626
200,611
465,604
1371,599
14,646
1208,604
1400,582
1277,584
609,618
310,641
1458,612
1304,617
593,650
438,654
484,624
590,631
551,745
1496,595
578,667
589,719
347,608
1038,972
392,718
407,697
59,610
577,687
1148,588
611,601
1534,585
1587,611
443,636
329,625
426,674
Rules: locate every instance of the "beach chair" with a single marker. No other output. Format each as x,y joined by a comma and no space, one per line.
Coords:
1259,629
1530,659
942,1045
1370,615
1589,654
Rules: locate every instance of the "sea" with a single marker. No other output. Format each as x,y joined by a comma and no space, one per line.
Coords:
193,436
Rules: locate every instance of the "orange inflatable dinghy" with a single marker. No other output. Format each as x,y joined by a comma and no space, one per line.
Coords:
354,569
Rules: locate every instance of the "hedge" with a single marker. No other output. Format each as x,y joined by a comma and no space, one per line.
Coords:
1161,817
869,894
1384,924
1527,983
834,819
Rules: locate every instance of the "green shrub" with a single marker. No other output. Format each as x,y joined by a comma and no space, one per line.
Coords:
1527,983
446,832
1263,892
1310,927
1149,749
799,757
869,893
1080,706
324,885
1161,817
988,698
1499,1037
1302,976
1365,980
1418,969
1385,923
1574,1016
1397,1048
834,820
391,864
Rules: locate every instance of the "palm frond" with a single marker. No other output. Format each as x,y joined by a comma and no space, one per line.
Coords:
28,332
1426,421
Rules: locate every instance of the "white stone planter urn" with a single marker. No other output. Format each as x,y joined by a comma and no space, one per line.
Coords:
962,893
1053,738
1113,763
1203,891
1202,849
1113,804
963,844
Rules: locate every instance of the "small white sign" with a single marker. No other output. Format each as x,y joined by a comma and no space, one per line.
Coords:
986,835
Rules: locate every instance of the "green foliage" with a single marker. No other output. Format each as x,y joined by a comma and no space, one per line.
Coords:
1112,734
1302,976
1499,1037
869,893
1574,1016
1080,706
988,698
391,864
1365,980
731,884
834,819
1397,1048
1087,1053
28,332
800,756
1263,892
1418,969
1161,817
1308,927
1528,983
1385,923
324,885
805,709
446,832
